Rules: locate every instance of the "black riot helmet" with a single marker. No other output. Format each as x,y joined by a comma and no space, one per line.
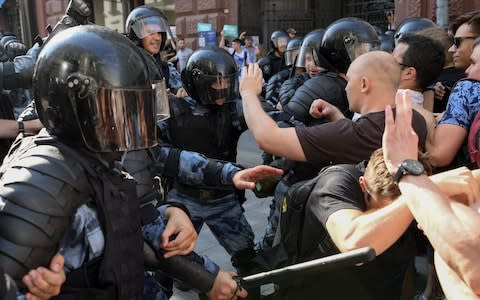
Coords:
91,89
279,40
412,24
346,39
387,43
311,49
293,48
145,20
210,74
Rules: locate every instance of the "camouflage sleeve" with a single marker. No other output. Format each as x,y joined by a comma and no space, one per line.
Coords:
152,231
192,168
175,81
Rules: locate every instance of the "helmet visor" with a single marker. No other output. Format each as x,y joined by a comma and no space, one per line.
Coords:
355,49
290,56
221,88
307,56
119,120
161,100
149,25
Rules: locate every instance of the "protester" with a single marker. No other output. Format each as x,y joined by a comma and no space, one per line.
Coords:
455,241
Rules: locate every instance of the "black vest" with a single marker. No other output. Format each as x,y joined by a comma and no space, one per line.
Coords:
208,130
75,178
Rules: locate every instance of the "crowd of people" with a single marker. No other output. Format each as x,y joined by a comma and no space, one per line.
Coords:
102,199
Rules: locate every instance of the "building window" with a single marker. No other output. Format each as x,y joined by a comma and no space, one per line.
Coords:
111,14
167,6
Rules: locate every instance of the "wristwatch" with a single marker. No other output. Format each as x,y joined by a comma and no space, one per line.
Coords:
409,167
21,126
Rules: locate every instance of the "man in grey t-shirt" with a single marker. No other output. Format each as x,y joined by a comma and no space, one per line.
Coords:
183,53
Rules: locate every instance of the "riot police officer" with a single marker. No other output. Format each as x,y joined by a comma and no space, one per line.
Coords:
147,27
412,24
210,122
274,61
272,87
83,131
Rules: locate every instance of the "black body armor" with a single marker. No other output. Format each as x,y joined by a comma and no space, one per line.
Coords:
43,183
209,131
327,86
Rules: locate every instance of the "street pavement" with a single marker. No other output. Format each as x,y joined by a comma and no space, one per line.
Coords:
256,211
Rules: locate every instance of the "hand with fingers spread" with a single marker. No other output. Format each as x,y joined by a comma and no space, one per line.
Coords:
247,178
179,236
43,283
323,109
251,82
400,142
225,288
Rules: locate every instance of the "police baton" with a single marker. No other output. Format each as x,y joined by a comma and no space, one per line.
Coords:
350,258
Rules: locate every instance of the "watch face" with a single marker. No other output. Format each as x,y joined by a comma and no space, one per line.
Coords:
413,167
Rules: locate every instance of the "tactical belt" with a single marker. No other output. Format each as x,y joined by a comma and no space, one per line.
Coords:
201,194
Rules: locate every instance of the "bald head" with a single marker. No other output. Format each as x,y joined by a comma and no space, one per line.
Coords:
373,80
379,67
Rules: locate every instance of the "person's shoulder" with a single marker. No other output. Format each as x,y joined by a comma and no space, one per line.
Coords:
376,117
465,91
264,61
467,85
343,170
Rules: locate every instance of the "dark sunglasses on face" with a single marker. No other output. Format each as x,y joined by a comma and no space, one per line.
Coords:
457,41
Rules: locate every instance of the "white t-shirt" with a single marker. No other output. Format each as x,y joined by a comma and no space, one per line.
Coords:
417,97
239,59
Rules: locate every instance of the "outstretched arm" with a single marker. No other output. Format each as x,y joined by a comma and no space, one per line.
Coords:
196,169
269,137
456,240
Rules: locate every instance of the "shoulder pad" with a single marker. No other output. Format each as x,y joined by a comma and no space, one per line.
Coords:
44,179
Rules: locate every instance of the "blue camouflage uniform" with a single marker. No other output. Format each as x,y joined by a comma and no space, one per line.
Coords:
86,240
220,207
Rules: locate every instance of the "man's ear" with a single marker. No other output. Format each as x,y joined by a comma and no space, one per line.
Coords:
410,73
363,183
365,84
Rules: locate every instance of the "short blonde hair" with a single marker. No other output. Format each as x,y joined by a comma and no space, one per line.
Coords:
380,181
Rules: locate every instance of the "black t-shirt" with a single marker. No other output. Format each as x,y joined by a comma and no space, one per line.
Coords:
337,188
347,141
448,77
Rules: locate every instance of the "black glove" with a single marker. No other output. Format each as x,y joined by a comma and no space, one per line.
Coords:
12,47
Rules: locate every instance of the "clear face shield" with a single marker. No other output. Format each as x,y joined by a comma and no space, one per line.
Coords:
290,56
115,120
149,25
306,57
161,100
356,48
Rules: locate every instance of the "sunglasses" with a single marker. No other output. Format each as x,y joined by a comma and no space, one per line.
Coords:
457,41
